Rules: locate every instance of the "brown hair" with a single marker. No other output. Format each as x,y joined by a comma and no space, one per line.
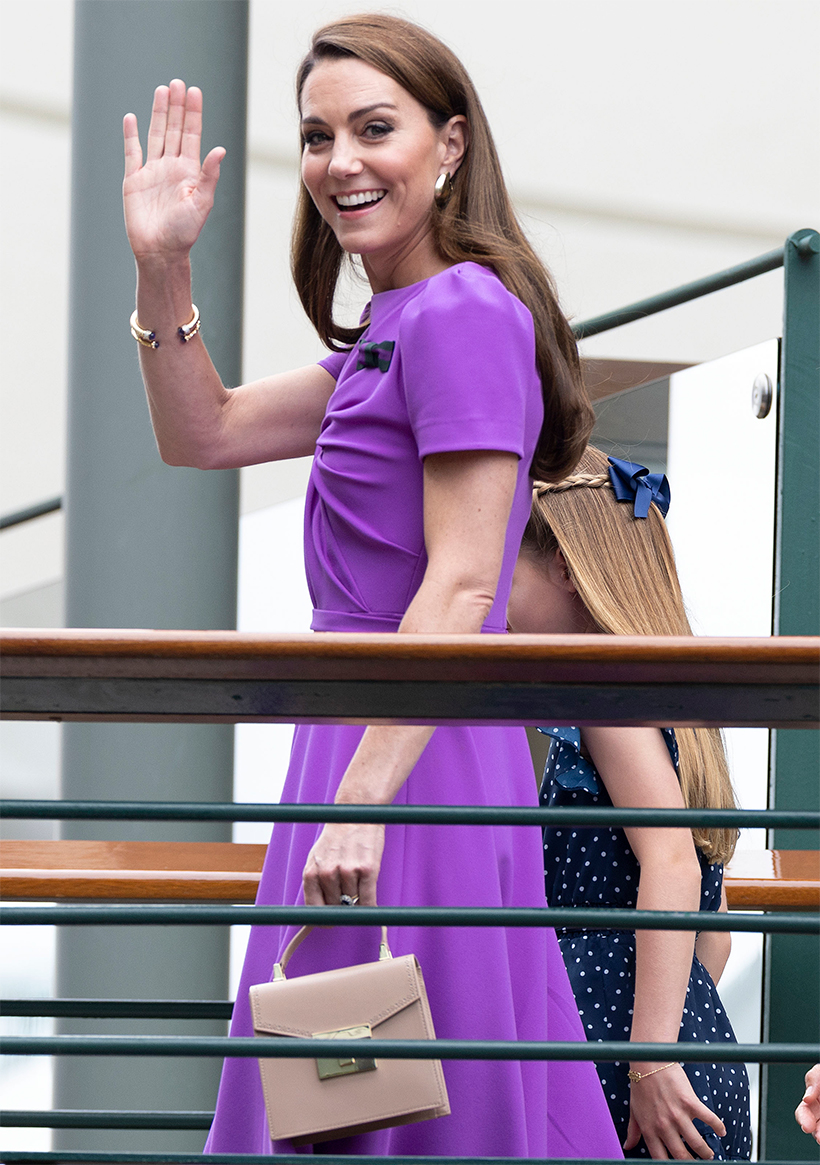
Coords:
477,224
624,571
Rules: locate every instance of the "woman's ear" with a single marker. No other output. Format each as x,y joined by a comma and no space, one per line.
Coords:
561,574
456,138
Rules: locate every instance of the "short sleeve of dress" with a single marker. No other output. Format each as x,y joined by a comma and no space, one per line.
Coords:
468,364
334,363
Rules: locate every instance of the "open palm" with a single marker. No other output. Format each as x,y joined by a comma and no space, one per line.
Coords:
168,198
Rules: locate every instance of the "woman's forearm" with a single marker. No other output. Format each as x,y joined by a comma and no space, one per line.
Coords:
467,500
185,392
387,753
197,421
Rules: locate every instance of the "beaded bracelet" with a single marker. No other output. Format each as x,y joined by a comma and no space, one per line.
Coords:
148,339
634,1077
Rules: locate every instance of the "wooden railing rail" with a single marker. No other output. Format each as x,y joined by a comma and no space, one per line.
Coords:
153,871
226,676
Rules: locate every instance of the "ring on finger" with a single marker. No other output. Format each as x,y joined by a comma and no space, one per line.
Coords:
347,900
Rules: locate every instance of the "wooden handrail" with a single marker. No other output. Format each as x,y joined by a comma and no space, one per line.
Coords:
374,656
225,675
154,871
229,871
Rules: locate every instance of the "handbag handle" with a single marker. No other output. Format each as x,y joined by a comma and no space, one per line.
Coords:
299,938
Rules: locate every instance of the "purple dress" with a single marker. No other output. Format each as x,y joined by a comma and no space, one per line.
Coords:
446,364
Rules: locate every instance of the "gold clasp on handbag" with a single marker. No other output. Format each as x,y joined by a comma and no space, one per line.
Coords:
349,1065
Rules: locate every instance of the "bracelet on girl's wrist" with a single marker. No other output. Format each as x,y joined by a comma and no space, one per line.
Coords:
634,1076
148,339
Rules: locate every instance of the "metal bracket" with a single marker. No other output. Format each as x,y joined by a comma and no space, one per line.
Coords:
347,1066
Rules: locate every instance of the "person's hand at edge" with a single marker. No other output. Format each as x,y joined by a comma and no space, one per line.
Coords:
807,1113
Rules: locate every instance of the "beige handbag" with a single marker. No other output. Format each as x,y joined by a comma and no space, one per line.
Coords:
322,1099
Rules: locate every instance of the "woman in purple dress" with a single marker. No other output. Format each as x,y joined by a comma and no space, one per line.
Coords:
426,424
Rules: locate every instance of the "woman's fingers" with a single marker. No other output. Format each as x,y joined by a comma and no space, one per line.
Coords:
344,860
159,121
209,174
176,122
133,149
190,143
177,108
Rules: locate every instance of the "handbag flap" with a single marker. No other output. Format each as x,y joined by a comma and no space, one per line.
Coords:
329,1000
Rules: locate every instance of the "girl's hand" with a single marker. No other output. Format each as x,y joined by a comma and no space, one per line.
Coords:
662,1109
167,200
807,1113
345,860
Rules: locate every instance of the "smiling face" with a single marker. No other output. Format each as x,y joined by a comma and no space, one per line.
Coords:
370,161
543,598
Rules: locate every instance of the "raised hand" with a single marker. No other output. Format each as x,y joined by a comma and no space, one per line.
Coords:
167,198
662,1109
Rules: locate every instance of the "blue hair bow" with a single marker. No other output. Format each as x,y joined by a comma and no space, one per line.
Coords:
633,482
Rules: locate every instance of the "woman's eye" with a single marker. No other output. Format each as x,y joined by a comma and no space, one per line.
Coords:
315,138
377,129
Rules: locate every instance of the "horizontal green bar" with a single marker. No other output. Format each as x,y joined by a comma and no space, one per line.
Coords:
36,511
678,295
563,917
120,1008
81,1118
97,1157
287,1048
405,814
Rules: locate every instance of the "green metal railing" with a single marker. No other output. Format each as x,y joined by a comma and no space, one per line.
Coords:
683,294
197,914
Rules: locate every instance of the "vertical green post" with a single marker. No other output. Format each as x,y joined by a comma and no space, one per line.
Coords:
792,962
148,545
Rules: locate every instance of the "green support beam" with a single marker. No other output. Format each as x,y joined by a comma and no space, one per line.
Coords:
792,962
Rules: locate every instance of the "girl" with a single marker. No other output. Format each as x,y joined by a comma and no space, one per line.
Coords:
419,492
596,557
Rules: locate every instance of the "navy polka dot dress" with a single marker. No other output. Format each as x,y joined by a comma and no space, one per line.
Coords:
596,867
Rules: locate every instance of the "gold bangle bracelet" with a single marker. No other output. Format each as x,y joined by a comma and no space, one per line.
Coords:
634,1077
148,339
142,335
187,331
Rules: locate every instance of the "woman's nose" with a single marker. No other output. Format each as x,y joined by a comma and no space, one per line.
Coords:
344,159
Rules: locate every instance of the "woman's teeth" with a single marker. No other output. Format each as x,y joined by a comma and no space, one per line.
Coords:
346,200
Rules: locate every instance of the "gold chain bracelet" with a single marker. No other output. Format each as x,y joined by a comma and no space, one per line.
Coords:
634,1077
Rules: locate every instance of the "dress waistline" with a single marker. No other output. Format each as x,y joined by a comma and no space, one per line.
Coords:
353,621
324,620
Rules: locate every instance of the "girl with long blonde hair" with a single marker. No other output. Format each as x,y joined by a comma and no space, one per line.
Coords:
596,558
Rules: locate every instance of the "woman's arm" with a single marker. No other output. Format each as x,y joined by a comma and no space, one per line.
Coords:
467,501
713,947
635,766
166,200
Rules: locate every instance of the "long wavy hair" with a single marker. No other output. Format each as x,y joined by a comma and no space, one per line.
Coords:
477,224
624,571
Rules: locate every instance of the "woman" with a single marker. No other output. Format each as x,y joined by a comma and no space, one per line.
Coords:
596,557
424,423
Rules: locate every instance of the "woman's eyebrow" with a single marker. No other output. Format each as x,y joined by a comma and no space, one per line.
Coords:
312,119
